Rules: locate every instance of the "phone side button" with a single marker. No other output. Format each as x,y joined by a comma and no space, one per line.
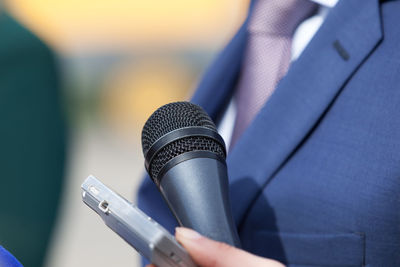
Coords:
175,258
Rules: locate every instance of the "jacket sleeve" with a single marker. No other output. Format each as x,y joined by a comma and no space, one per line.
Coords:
6,259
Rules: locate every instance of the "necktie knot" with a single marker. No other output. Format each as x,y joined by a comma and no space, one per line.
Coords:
280,17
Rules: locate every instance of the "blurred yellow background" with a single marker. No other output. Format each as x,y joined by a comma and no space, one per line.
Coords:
123,24
126,58
120,61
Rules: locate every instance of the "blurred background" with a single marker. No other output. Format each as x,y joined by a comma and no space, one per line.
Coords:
115,63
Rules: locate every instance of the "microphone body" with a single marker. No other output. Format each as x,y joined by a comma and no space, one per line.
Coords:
196,191
185,157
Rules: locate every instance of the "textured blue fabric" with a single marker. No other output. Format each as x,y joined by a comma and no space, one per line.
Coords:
315,179
8,260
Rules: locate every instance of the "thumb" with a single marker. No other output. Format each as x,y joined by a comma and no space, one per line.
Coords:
209,253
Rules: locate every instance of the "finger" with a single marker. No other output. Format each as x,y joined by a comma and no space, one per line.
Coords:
209,253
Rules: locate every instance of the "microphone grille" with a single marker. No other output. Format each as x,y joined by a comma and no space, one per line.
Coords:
173,116
178,147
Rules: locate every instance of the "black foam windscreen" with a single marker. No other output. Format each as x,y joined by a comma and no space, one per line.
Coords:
171,117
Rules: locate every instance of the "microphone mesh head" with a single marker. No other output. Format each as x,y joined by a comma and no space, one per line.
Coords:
175,116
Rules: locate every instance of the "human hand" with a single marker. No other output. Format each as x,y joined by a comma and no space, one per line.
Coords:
209,253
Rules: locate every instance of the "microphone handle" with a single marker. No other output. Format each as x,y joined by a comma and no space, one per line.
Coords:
196,191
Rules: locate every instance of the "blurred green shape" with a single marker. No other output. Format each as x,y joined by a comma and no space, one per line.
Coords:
32,142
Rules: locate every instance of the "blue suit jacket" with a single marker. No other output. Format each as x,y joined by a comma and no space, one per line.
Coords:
315,179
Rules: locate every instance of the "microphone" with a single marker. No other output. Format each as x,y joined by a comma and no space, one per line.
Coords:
185,158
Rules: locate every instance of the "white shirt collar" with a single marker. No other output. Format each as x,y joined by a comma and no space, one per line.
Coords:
326,3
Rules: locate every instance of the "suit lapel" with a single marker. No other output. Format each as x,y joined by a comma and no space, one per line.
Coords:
216,87
350,33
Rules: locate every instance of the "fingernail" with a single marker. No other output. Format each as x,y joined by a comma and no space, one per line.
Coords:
187,233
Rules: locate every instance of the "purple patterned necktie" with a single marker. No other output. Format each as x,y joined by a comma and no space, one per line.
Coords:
267,55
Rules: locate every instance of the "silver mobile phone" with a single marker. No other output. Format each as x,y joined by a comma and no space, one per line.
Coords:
148,237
